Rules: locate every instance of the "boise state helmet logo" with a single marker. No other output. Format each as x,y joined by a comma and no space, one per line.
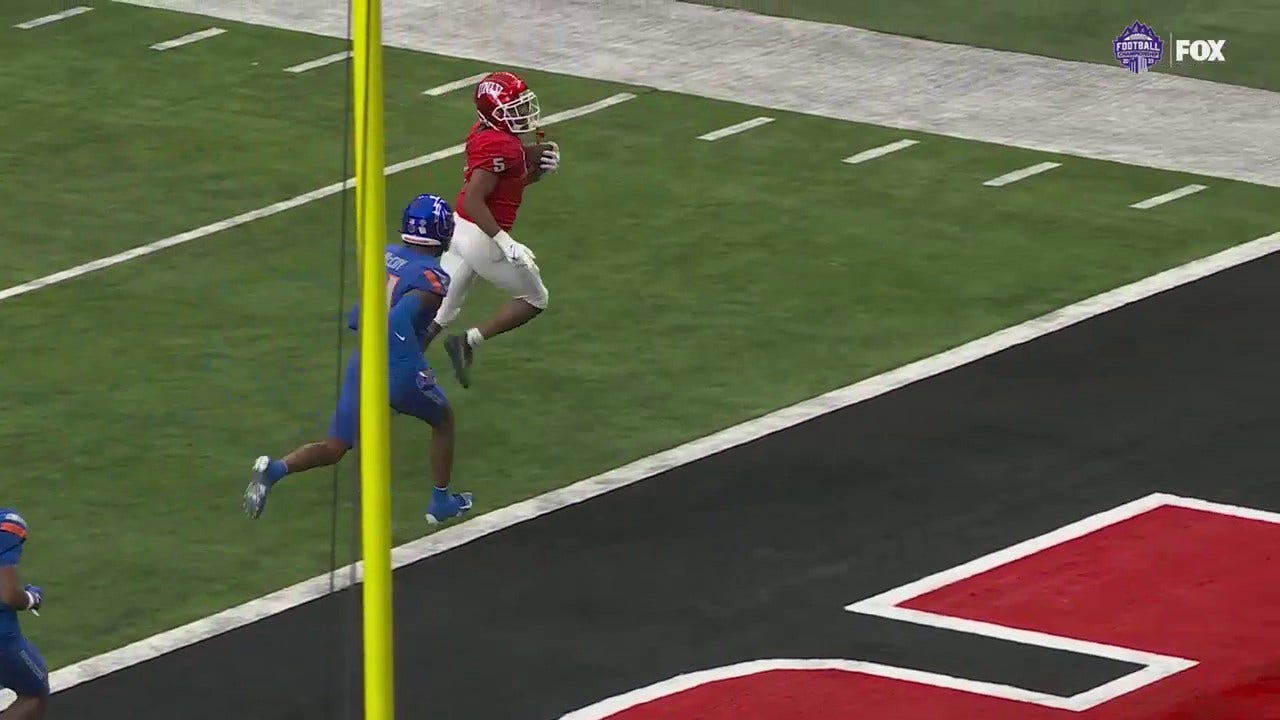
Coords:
1138,47
428,221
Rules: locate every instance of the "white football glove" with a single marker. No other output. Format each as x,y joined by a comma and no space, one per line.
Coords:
550,160
516,254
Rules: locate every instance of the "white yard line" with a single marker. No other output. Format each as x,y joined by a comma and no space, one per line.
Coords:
492,522
319,62
188,39
47,19
1181,192
881,151
455,85
1022,174
735,129
273,209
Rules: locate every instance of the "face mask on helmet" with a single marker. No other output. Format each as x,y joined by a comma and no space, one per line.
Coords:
522,115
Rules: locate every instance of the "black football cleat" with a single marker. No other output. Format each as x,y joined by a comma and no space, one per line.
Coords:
460,356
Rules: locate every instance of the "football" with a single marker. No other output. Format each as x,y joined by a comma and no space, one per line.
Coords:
532,155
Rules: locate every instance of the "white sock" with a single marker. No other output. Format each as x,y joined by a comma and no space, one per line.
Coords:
474,338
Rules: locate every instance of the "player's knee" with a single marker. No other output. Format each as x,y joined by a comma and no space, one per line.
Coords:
337,449
444,317
445,422
538,298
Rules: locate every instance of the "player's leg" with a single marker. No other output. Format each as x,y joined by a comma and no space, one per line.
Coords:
26,707
418,395
324,453
23,671
461,275
529,297
343,433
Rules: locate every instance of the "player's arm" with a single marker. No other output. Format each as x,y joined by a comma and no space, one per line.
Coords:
479,187
12,592
481,184
402,319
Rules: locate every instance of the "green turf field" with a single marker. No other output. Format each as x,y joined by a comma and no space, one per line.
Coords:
693,284
1070,30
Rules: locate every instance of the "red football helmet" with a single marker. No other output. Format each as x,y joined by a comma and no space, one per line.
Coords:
505,102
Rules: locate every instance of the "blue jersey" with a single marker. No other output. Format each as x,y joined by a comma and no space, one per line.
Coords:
408,270
13,534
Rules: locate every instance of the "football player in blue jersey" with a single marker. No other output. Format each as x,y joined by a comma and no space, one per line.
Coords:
22,670
415,286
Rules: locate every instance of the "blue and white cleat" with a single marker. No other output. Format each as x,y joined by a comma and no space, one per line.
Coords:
446,507
255,496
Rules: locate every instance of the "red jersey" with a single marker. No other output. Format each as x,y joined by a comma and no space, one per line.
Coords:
502,154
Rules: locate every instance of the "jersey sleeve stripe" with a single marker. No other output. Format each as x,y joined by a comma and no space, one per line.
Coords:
434,279
14,528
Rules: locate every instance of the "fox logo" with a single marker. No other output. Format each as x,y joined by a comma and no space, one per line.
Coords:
1200,50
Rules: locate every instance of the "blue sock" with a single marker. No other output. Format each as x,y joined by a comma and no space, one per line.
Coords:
440,494
276,470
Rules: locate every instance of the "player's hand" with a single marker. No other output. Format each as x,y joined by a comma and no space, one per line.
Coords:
35,598
550,160
516,254
519,255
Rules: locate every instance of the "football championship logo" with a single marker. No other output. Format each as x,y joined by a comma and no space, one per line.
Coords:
1139,47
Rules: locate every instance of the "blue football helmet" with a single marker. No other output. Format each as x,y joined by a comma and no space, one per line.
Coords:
428,221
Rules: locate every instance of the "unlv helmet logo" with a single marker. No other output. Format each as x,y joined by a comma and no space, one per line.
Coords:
489,87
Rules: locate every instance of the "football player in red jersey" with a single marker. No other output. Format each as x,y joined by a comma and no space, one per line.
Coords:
497,172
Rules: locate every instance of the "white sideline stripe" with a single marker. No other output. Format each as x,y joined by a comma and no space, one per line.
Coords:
489,523
47,19
1164,665
1183,191
274,209
1022,174
188,39
319,62
874,153
735,129
455,85
1224,509
1156,666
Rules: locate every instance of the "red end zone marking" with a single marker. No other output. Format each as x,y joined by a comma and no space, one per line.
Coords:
1174,580
1187,589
